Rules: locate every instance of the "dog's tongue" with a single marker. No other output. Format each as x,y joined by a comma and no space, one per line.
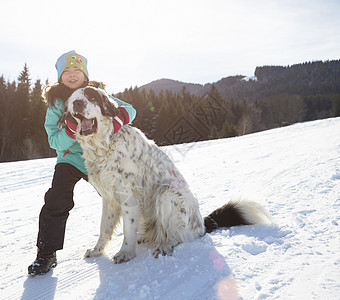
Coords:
86,124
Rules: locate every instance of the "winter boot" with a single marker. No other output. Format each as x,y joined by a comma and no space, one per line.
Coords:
42,264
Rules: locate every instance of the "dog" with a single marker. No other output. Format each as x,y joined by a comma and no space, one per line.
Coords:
138,182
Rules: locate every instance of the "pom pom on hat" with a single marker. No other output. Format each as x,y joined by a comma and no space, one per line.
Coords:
71,59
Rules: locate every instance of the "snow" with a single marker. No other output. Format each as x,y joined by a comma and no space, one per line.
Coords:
294,172
250,78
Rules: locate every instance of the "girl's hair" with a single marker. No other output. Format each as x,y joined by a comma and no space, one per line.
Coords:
62,92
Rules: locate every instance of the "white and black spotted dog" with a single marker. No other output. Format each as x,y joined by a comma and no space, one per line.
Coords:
139,182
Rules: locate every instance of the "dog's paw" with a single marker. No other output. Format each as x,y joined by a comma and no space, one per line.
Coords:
93,252
163,250
123,256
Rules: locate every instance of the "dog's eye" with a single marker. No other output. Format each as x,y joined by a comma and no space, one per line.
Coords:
92,99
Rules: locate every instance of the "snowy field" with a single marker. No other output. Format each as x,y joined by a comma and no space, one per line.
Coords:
293,171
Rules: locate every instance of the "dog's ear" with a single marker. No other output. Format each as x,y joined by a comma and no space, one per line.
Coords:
110,107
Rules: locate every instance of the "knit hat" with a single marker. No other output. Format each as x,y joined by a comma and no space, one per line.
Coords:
71,59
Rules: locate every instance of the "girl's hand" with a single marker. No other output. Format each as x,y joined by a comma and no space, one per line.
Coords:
71,126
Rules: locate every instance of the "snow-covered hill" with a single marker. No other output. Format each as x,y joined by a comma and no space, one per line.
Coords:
293,171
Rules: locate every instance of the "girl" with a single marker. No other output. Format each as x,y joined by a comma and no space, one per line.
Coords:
70,167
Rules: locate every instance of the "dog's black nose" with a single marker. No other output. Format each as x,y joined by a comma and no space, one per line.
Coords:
78,106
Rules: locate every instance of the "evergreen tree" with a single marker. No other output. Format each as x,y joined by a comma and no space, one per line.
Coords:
39,145
215,114
162,123
228,130
335,112
7,121
213,133
180,109
21,126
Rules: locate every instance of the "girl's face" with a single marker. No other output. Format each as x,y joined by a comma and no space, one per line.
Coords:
73,77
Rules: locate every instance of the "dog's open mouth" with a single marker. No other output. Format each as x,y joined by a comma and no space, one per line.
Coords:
88,126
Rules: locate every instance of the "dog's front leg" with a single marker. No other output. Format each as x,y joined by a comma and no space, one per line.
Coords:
130,225
110,217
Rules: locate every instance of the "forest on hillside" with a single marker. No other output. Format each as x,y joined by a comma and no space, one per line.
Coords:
280,96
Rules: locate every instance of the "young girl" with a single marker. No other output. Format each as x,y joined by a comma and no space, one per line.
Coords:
70,167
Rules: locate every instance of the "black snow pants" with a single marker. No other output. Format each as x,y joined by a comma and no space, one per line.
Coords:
58,203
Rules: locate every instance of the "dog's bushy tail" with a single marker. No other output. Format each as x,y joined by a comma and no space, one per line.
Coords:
237,212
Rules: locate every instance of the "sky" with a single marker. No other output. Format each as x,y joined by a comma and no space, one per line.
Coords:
133,42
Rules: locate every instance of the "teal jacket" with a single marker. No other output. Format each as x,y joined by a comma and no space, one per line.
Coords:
68,149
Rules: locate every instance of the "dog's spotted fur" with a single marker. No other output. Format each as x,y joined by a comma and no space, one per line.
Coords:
136,181
140,183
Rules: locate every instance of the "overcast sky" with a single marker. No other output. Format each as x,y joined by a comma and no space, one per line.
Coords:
133,42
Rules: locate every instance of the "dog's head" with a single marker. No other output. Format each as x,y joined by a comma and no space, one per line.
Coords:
89,106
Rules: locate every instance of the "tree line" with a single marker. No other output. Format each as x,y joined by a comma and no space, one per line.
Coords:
173,118
22,116
167,117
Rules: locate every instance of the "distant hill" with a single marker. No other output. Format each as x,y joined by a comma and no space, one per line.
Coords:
174,86
304,79
225,85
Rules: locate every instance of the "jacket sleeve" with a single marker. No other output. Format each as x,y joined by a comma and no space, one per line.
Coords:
128,113
57,137
127,109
